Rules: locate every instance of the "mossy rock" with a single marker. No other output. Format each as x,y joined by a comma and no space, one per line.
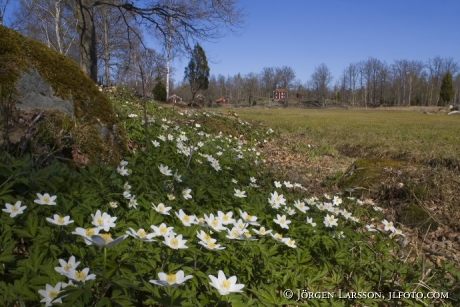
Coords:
74,93
368,174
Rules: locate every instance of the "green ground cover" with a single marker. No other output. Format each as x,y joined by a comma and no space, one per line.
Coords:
203,175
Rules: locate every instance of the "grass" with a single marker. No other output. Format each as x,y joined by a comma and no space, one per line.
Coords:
406,135
323,146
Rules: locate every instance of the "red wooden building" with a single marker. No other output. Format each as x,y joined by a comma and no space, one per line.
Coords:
222,100
280,94
174,99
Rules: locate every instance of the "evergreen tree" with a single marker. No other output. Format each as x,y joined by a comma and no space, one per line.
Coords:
447,91
159,91
197,71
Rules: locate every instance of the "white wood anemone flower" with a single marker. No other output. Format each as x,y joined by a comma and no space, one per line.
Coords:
162,230
212,246
187,220
66,266
247,218
50,293
103,220
262,231
282,221
81,276
164,169
45,199
161,208
226,218
203,236
289,242
60,220
171,280
15,209
175,242
186,193
86,233
223,285
214,222
141,234
239,193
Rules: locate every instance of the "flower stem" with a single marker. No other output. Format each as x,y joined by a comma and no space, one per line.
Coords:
105,259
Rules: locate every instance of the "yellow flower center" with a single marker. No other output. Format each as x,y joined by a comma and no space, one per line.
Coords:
53,294
248,217
235,233
60,220
107,237
89,232
215,223
207,238
174,242
278,236
186,218
390,224
226,284
67,267
262,230
80,275
14,209
163,230
211,245
171,279
141,234
282,221
161,207
247,234
225,218
100,221
46,199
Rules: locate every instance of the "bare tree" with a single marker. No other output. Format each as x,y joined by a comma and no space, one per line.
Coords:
141,69
250,86
113,37
193,20
49,21
320,81
269,80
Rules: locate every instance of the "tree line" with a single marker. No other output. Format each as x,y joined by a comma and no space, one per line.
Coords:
107,38
366,83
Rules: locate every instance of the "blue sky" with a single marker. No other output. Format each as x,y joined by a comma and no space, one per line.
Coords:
303,34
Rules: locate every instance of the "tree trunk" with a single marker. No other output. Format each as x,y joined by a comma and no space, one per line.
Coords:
106,45
87,30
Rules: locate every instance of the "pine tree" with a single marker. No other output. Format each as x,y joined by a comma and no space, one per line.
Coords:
159,91
197,71
447,91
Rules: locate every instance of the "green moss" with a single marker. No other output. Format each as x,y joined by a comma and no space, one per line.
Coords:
414,216
365,172
18,54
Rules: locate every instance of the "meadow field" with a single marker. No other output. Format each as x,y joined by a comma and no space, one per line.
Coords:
407,134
